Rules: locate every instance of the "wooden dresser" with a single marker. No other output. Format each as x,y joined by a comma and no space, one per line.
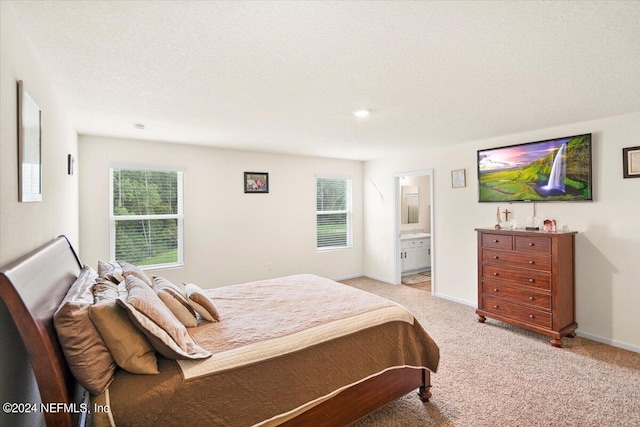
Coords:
526,278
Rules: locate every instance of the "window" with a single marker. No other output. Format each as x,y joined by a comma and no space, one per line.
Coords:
146,216
333,212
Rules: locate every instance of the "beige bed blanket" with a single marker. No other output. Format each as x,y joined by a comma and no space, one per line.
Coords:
281,344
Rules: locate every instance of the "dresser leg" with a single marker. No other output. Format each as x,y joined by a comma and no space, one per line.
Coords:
481,319
571,335
556,342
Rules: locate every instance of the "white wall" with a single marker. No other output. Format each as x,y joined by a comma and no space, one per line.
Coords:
607,244
230,237
24,226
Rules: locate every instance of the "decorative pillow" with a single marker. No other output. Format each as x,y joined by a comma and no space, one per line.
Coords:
129,269
201,303
111,271
167,335
174,299
87,355
127,344
104,291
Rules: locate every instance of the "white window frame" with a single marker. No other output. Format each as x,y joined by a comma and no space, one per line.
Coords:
179,216
348,211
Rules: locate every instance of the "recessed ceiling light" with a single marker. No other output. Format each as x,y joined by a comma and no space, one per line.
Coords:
139,126
361,114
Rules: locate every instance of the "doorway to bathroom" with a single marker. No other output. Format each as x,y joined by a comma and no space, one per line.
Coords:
413,226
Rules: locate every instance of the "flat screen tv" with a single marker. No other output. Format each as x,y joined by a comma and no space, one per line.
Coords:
543,171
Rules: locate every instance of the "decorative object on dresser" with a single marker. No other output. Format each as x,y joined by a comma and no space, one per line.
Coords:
526,278
549,225
498,220
532,223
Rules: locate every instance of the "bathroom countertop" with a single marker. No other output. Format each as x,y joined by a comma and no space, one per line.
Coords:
407,236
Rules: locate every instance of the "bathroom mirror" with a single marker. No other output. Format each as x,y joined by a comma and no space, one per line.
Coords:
410,213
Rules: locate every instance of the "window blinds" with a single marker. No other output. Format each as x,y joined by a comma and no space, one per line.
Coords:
146,216
333,212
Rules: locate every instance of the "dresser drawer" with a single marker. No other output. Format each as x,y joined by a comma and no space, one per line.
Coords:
497,241
530,260
517,312
517,295
533,244
516,276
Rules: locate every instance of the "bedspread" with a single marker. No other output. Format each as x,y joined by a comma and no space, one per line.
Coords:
281,345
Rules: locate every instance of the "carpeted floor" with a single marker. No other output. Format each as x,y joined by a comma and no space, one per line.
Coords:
494,374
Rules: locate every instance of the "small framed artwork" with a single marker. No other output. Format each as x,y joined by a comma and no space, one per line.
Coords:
458,178
70,162
29,148
256,182
631,162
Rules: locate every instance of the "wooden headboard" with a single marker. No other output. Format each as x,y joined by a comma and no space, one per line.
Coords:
32,288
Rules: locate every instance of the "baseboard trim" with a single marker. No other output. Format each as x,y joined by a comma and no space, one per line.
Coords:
454,299
614,343
350,276
379,279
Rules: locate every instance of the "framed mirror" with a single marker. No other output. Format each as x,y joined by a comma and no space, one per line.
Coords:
29,148
410,212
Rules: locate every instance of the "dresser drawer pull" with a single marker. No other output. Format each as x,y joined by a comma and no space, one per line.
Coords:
496,274
495,240
531,244
495,290
531,316
531,280
532,298
532,262
496,257
496,306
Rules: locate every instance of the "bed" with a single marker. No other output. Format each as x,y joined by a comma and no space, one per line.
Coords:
321,369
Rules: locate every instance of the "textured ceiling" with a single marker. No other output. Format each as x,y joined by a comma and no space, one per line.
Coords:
285,76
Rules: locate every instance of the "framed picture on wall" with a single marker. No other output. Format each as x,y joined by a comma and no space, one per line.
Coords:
458,178
631,162
256,182
29,148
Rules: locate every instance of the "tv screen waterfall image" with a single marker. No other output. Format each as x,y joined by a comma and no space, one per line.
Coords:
553,170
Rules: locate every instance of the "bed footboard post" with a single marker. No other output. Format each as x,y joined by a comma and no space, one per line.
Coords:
424,392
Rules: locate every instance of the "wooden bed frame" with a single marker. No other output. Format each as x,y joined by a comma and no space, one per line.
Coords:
32,288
